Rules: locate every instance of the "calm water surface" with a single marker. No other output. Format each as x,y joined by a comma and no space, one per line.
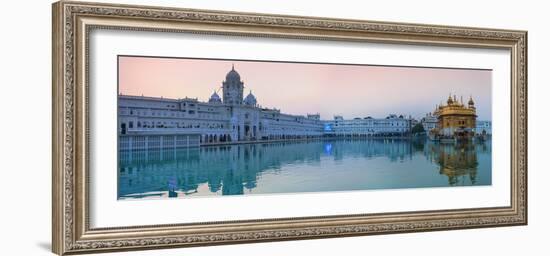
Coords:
291,167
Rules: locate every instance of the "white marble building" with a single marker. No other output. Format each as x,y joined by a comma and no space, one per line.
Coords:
482,126
429,122
229,118
392,125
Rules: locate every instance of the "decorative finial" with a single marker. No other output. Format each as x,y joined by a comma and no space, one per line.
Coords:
233,66
449,100
471,101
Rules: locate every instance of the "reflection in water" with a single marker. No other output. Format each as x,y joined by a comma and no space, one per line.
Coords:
290,167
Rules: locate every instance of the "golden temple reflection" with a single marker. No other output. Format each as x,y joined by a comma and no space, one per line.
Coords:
457,161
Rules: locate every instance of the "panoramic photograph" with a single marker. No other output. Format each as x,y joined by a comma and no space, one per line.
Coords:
191,127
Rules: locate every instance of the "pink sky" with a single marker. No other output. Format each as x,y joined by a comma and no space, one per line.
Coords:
298,88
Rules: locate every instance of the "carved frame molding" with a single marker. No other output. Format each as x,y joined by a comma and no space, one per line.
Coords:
72,22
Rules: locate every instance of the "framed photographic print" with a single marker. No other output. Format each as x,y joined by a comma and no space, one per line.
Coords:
179,127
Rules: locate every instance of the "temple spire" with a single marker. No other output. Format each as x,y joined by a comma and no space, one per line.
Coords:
471,101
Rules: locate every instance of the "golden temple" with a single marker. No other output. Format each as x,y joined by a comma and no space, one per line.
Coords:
455,121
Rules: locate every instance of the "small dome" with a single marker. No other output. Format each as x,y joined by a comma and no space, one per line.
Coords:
471,101
233,75
215,98
449,100
250,99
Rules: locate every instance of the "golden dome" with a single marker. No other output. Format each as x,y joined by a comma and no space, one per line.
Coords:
454,107
471,101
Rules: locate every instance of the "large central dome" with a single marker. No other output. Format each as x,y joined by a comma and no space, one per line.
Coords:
233,88
233,75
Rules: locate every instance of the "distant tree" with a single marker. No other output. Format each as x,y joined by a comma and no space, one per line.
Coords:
418,128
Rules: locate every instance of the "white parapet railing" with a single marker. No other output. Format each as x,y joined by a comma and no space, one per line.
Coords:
141,141
163,131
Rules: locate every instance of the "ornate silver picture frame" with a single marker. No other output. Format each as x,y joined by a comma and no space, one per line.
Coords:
73,204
